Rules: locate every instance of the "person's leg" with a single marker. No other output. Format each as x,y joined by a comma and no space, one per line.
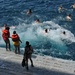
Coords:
18,49
6,46
15,49
31,62
9,45
27,63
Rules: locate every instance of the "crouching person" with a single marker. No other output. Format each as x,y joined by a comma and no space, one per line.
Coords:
16,41
27,54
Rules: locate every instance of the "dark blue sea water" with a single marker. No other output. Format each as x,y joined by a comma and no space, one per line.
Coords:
54,43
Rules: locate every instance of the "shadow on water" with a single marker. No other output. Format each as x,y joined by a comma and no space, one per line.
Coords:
13,68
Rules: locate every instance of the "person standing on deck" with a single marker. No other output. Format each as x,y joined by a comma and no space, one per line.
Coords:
27,54
16,41
6,36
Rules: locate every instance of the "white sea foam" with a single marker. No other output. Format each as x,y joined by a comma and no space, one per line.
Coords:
35,32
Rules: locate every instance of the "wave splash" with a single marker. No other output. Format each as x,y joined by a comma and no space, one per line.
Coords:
53,41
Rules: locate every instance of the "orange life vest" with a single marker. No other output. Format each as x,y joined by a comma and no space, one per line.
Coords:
15,37
5,34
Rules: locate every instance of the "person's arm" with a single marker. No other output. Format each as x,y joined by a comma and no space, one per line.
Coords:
24,55
19,38
31,48
24,52
9,34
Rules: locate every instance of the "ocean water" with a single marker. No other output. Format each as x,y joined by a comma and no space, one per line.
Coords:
54,43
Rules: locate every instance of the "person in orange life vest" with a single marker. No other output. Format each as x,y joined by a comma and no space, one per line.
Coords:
6,36
16,41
